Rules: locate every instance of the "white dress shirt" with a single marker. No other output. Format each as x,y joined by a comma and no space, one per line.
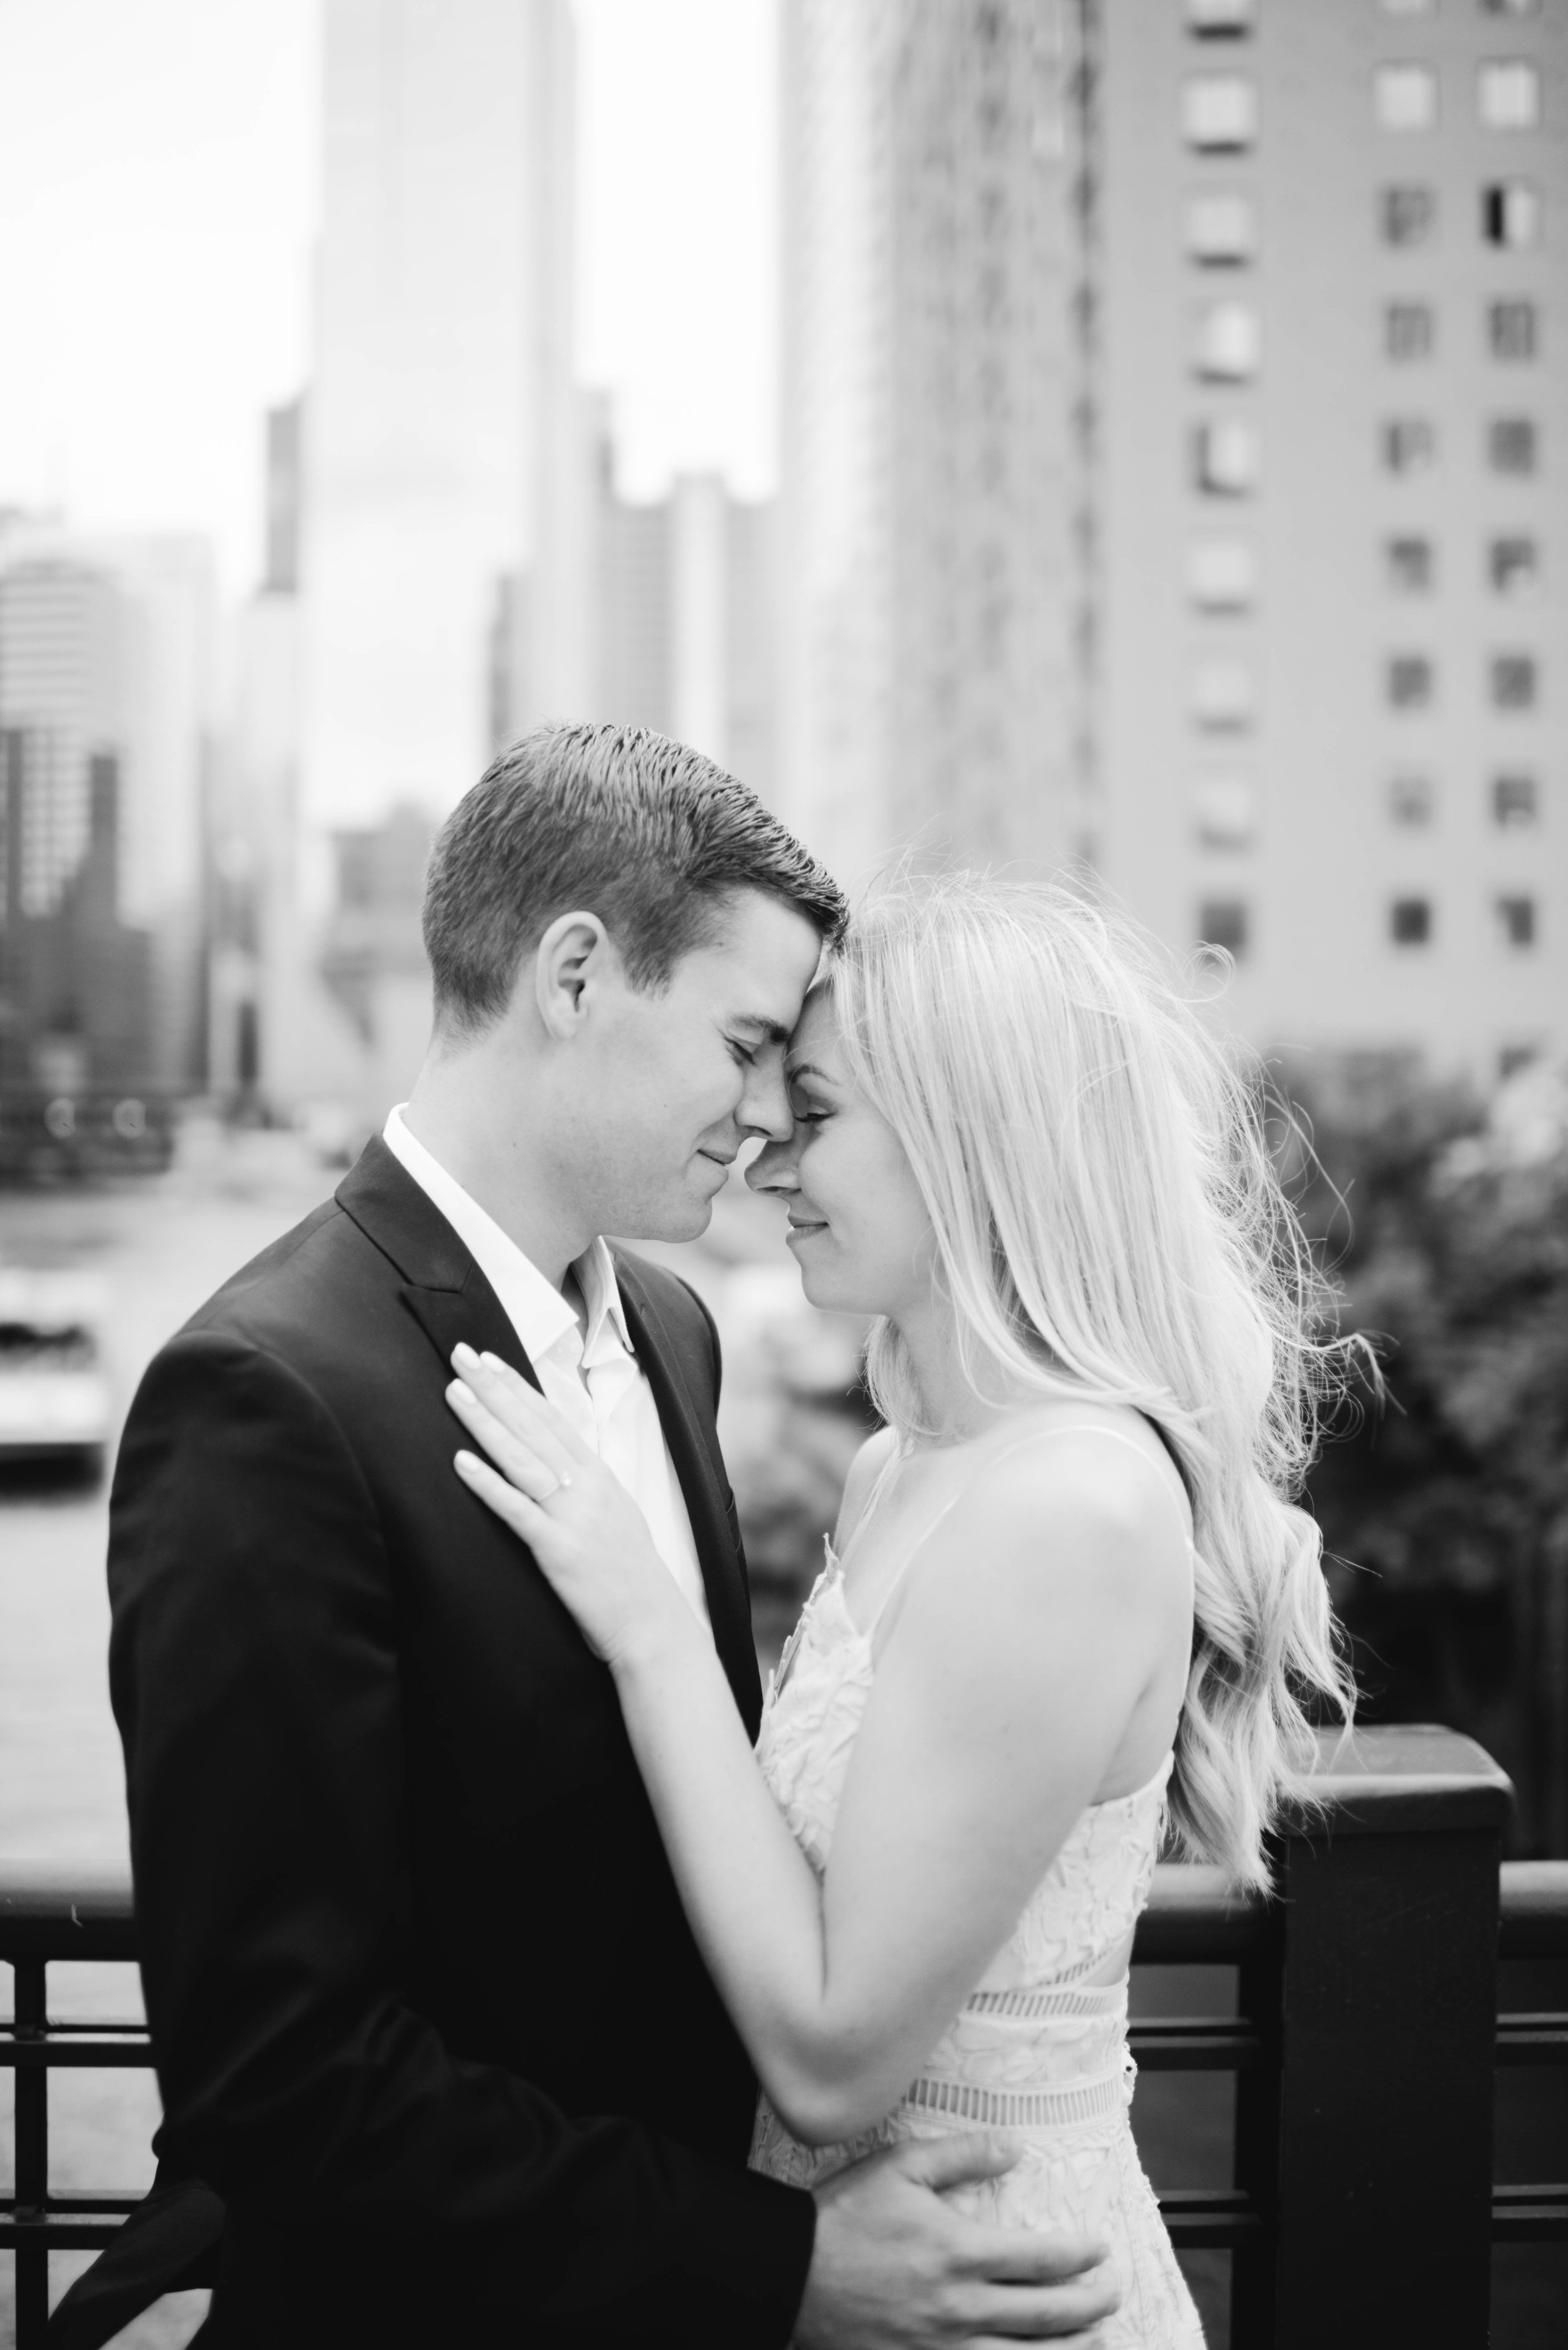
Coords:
593,1379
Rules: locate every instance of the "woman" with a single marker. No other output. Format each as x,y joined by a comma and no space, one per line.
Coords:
1068,1601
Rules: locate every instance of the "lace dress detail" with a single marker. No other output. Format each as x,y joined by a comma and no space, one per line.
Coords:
1036,2050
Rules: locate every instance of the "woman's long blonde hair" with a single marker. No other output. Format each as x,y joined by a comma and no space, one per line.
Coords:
1109,1226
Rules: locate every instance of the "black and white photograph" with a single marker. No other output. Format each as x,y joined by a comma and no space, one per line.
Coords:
783,1174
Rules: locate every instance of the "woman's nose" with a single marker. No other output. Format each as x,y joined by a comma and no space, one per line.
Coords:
773,1167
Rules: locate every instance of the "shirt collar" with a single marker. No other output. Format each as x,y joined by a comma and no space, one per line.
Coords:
594,1269
535,1306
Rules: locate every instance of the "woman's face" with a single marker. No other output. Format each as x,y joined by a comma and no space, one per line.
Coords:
858,1228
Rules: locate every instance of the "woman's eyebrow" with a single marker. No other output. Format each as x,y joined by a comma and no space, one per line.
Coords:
806,1070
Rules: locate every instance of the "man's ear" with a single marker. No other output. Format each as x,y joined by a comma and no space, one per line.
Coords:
574,952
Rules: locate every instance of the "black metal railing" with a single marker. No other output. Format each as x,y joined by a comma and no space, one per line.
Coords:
1366,2038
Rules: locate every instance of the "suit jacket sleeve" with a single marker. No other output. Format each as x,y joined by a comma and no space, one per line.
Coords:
254,1680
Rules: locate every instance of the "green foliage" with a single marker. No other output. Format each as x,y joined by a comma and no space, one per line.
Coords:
1445,1506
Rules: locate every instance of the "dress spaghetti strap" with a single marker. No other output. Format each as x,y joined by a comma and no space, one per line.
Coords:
1023,1444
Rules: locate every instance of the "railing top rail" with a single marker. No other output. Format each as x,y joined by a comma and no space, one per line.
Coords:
1381,1781
1192,1919
66,1909
1533,1921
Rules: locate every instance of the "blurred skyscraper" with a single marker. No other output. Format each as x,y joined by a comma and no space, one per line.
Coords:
445,455
277,1038
1170,415
684,619
106,704
934,406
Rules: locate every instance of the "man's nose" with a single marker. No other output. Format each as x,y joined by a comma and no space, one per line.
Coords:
764,1105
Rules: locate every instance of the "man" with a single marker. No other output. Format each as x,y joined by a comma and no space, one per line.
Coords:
425,2009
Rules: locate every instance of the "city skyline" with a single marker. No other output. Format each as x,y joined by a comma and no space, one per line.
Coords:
1169,496
182,217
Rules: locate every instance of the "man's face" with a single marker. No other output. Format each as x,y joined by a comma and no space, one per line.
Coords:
669,1083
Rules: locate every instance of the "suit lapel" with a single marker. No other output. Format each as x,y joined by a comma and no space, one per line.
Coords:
473,1316
694,1449
445,1291
450,1300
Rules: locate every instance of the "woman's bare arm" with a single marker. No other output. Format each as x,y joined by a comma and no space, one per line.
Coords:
1041,1611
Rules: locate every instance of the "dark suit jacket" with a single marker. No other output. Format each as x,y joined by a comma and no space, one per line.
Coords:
425,2009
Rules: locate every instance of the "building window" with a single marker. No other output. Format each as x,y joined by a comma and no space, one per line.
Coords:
1412,801
1220,19
1407,215
1509,95
1511,330
1515,802
1408,682
1514,565
1408,330
1225,458
1222,696
1515,920
1220,113
1221,575
1511,213
1405,97
1513,681
1409,564
1410,921
1222,812
1409,444
1221,230
1223,924
1228,344
1511,444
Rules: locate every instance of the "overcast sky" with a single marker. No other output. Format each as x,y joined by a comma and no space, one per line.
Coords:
158,191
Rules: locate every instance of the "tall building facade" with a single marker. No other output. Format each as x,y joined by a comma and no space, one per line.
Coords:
936,339
1334,510
278,1040
685,620
443,439
75,1008
1175,484
107,707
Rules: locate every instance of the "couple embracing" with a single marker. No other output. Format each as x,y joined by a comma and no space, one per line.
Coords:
515,1974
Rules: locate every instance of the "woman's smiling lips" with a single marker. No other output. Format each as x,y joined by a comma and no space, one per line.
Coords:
801,1228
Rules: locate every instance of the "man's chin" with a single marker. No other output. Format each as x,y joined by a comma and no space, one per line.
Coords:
681,1220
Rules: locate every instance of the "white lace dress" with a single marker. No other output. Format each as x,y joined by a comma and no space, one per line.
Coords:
1035,2051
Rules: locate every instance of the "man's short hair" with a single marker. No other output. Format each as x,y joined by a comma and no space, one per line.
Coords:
620,822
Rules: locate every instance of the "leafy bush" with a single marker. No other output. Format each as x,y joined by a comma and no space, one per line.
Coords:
1445,1507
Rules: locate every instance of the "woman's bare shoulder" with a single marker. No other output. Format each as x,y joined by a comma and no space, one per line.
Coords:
1101,1463
1062,1493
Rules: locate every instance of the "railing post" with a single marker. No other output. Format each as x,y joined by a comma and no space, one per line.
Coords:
1259,1987
32,2144
1382,2192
